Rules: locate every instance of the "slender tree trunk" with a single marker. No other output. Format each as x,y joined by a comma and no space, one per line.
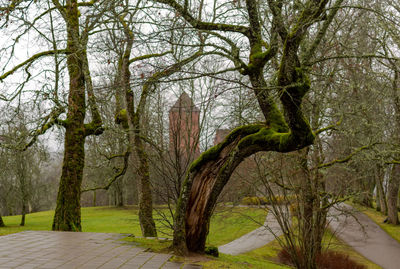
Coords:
147,223
394,181
393,195
2,222
145,197
94,198
23,213
381,198
68,210
308,227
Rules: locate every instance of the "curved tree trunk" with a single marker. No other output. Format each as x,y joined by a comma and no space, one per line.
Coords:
211,171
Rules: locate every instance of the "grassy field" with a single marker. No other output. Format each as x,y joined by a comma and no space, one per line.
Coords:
226,224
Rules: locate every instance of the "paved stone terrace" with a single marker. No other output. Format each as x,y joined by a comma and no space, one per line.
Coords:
67,250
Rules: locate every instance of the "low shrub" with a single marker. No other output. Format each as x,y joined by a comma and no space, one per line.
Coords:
254,201
337,260
278,200
213,251
325,260
294,210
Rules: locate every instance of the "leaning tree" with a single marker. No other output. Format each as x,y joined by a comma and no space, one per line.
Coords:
264,41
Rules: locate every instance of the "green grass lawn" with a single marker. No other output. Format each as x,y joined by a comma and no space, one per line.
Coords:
226,224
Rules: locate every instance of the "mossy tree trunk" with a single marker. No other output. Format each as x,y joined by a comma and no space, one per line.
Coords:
2,222
68,210
133,117
147,223
285,128
394,180
393,195
67,215
23,213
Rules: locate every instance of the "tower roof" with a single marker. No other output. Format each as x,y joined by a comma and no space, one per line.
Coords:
185,103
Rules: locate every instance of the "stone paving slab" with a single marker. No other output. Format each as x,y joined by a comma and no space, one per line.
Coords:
68,250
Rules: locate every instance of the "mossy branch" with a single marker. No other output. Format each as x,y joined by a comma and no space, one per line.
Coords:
50,121
214,152
329,127
364,56
148,56
233,54
95,126
30,61
311,12
88,4
322,31
393,162
346,159
60,8
13,5
276,9
200,25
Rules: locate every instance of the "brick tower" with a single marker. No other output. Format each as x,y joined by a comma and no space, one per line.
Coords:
184,128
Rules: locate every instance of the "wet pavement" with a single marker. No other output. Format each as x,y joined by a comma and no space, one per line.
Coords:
67,250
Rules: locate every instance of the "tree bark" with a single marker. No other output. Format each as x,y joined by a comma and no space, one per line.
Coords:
394,181
23,213
67,214
209,174
2,222
381,198
147,223
393,195
146,220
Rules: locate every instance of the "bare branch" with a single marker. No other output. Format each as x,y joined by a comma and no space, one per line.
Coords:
30,61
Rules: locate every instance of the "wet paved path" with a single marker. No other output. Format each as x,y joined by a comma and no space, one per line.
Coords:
351,226
67,250
255,239
365,236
